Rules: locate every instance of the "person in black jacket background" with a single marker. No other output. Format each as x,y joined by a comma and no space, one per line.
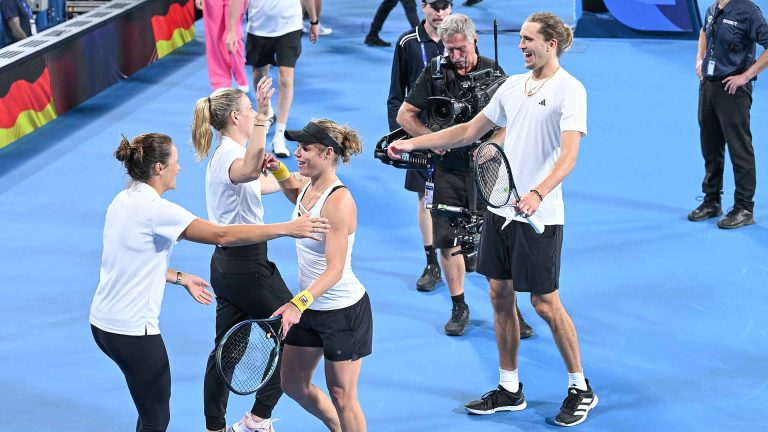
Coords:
414,49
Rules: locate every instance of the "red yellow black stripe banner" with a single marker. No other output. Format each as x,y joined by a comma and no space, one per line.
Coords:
26,107
174,29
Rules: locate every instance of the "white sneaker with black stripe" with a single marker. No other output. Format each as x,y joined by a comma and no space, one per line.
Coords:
576,406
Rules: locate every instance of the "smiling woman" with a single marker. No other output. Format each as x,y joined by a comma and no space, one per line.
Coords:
331,316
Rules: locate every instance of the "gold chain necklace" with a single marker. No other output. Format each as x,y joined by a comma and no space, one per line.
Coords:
536,89
310,201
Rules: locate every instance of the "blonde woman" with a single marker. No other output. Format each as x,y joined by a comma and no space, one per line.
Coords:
247,284
331,316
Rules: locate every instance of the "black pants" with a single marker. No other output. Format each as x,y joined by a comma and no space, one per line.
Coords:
245,289
144,362
386,7
724,118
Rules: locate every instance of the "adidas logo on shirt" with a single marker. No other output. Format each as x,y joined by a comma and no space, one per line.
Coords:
543,102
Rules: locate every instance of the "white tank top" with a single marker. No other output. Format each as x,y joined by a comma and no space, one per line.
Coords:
312,263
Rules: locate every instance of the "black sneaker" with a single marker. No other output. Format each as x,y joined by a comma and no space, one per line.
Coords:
376,41
429,278
497,400
526,330
471,2
576,406
736,218
459,320
708,209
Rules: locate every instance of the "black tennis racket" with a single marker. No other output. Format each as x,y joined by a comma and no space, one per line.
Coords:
247,355
494,180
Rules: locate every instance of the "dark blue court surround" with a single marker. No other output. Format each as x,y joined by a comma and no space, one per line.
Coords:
671,314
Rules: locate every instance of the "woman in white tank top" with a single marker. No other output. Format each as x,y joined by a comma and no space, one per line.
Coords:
331,315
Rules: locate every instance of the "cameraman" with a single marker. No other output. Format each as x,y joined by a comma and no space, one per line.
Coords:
444,77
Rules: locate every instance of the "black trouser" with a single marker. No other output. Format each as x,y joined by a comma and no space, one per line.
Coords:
386,7
249,288
144,362
724,118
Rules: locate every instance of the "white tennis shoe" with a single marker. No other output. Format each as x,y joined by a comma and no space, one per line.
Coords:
248,424
279,148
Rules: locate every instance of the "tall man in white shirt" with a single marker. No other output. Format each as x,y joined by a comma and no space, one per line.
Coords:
274,38
545,115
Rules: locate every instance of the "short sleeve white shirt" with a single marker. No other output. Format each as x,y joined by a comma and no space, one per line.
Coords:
272,18
140,231
534,124
228,203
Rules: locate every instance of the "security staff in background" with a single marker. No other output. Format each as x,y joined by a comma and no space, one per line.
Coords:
452,180
726,66
17,20
413,51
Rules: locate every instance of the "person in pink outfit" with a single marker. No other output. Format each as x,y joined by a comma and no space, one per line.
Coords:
224,62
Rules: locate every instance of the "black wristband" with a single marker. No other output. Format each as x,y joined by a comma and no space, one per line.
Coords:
315,22
541,198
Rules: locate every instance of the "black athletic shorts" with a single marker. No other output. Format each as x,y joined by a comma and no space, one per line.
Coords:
517,253
451,188
415,181
276,51
344,334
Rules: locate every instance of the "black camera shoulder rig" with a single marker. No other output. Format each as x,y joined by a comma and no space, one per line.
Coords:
421,160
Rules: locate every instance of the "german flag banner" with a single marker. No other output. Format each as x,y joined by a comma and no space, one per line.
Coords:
27,105
175,28
46,84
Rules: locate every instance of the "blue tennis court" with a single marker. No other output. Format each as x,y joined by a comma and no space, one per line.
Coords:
671,315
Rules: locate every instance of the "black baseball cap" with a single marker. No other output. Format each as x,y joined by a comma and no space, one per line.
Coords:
312,133
450,2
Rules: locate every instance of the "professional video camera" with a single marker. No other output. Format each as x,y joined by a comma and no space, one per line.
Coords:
443,112
467,223
476,92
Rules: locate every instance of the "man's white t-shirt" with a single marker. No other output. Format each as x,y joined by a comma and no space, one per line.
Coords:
271,18
534,124
228,203
140,230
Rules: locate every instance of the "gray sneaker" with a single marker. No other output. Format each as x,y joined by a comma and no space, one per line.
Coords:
459,320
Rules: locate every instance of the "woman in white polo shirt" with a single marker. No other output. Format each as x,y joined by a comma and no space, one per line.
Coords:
140,230
331,316
246,283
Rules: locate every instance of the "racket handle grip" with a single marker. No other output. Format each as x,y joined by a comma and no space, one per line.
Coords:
536,224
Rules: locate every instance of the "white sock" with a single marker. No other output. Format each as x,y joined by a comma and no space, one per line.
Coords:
577,380
509,380
279,130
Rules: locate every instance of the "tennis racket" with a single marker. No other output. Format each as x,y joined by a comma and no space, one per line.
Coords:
494,180
247,355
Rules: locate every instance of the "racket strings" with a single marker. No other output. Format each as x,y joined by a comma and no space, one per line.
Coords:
248,357
492,176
